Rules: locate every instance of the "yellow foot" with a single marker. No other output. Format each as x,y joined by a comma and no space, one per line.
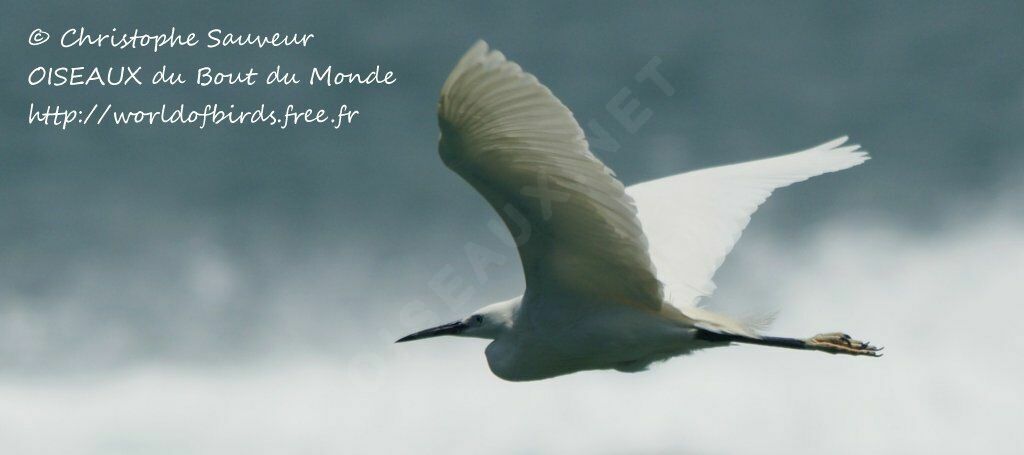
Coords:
841,343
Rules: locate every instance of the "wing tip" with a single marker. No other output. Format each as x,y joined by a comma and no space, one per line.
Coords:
480,43
480,49
850,154
477,52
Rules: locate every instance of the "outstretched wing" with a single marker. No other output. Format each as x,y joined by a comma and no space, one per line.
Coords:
693,219
575,227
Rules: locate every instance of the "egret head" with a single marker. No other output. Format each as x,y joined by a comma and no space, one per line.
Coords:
488,322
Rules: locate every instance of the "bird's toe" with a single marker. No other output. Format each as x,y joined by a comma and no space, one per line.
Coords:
841,343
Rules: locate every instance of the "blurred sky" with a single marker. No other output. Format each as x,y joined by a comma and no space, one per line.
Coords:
238,288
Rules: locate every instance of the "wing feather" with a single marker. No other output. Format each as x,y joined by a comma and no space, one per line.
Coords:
693,219
508,136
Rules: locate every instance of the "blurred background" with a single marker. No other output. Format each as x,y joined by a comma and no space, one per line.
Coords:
173,290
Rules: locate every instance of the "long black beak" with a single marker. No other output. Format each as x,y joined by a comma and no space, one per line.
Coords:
450,328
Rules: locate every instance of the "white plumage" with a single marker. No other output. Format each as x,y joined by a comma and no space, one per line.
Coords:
521,148
613,274
693,219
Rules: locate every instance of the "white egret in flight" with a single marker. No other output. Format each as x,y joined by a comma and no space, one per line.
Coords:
613,273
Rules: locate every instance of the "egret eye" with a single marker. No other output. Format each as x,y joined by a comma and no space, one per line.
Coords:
478,319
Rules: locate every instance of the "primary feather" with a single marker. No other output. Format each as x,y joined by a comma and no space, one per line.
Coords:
692,220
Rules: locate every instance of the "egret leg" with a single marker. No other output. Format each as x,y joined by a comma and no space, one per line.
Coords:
832,343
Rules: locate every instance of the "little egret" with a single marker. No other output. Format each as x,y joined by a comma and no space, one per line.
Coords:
613,274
